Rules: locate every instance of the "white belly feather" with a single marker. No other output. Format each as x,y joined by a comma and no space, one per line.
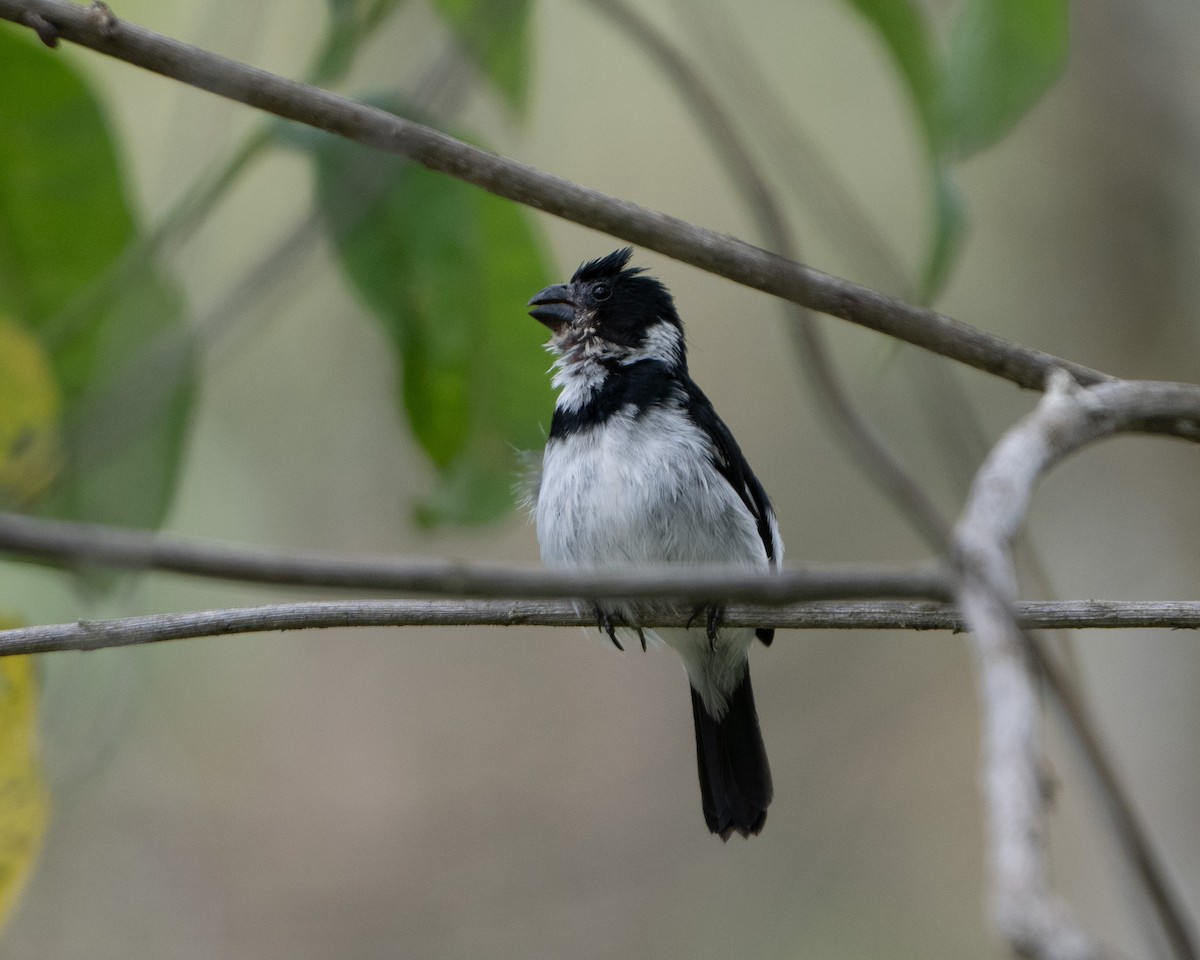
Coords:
641,490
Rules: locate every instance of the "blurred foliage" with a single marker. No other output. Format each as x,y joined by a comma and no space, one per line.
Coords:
903,28
495,34
83,284
351,22
472,375
24,800
110,323
30,407
77,275
999,57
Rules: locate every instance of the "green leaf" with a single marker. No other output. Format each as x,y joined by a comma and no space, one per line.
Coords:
115,335
949,232
1003,55
62,214
447,269
495,34
902,26
131,373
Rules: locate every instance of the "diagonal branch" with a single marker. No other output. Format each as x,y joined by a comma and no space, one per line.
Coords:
96,28
1034,920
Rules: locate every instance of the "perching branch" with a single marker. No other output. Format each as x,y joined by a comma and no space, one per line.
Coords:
1068,418
81,544
813,615
98,29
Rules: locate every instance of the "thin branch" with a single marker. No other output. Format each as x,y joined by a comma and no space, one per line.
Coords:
814,615
121,548
1035,921
711,251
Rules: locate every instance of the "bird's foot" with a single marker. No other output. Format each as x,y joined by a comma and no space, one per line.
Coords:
713,613
605,621
608,623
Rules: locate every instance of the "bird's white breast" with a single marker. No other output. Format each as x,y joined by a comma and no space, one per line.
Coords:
640,489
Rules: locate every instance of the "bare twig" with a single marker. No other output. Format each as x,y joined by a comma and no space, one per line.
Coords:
706,249
1068,418
86,544
814,615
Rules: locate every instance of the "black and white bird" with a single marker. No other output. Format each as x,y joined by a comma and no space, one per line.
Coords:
640,470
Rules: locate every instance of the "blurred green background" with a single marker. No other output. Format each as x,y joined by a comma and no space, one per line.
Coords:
518,793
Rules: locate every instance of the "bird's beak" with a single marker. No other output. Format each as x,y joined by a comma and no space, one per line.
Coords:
554,306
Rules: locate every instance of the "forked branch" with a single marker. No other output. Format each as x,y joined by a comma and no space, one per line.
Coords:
1069,417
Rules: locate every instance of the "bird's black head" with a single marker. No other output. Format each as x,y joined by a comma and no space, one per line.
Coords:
610,310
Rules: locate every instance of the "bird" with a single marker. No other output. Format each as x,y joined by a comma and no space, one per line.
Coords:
638,469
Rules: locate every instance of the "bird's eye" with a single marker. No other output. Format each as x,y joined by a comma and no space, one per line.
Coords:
601,291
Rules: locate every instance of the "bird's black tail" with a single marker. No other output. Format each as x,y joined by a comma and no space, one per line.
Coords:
735,779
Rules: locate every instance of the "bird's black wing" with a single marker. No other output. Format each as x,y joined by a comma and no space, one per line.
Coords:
731,464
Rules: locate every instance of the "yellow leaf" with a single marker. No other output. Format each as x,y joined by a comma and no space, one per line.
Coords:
30,406
24,799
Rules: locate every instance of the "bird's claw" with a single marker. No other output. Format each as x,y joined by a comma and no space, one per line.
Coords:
604,621
608,623
712,621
